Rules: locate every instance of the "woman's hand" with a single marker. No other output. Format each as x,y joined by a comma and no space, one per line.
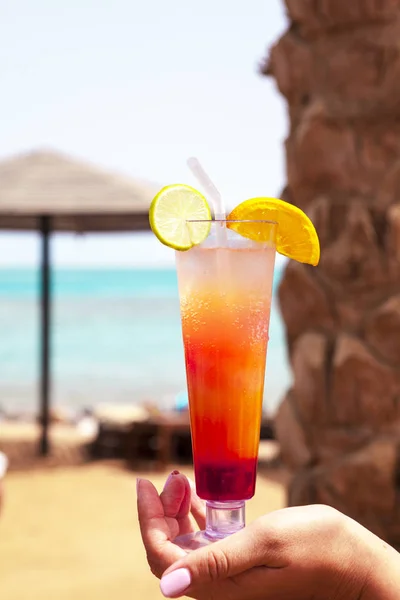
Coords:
295,553
176,511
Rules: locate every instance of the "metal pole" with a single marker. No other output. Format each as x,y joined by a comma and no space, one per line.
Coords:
45,314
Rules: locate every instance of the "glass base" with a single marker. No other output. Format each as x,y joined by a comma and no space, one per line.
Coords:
193,541
222,519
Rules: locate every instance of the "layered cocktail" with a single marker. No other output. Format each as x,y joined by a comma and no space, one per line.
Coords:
225,296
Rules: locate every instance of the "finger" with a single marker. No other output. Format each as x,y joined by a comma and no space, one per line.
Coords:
178,501
152,522
175,498
253,546
198,507
179,497
161,552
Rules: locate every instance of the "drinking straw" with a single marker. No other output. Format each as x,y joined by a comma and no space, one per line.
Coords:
214,195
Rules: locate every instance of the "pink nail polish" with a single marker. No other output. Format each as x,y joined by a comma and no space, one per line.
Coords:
175,583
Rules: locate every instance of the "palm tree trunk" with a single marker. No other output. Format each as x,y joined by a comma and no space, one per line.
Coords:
338,66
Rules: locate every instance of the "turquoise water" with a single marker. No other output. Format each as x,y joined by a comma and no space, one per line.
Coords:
115,338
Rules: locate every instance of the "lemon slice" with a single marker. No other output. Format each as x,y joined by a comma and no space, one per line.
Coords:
296,235
170,212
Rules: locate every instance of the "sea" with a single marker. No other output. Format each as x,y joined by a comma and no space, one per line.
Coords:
116,339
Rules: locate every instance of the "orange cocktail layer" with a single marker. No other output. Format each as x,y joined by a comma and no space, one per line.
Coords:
225,331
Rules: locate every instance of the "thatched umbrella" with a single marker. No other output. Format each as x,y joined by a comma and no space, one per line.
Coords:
49,192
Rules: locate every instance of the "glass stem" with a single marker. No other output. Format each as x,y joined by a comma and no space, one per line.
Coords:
224,518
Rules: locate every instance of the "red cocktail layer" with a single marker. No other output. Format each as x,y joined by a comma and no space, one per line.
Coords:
221,481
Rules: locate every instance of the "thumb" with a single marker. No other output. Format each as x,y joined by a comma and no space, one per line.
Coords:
218,561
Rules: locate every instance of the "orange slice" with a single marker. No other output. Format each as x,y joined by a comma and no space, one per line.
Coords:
296,235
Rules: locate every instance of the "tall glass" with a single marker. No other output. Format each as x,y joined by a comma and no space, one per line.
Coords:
225,290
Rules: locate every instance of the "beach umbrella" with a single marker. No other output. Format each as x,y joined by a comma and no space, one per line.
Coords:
48,192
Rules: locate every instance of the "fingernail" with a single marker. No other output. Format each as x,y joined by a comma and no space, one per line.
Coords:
170,476
138,480
175,583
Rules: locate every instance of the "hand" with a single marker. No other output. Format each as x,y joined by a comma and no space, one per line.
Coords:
163,517
302,553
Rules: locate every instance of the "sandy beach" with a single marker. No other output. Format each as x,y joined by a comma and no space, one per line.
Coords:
72,532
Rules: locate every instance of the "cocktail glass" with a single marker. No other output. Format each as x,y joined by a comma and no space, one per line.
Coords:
225,292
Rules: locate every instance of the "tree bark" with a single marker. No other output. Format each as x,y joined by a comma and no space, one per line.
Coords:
338,66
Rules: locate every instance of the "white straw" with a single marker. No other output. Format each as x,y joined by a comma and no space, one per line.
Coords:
209,187
214,195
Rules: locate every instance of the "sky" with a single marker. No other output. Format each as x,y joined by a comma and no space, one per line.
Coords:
136,87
